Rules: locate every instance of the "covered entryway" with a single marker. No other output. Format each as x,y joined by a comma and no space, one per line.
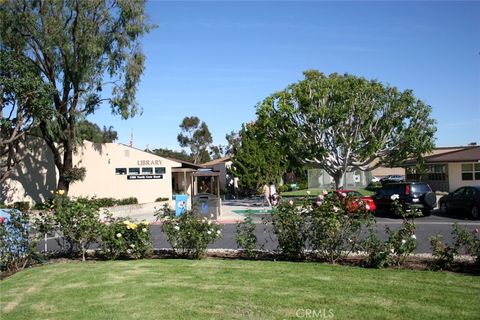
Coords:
207,200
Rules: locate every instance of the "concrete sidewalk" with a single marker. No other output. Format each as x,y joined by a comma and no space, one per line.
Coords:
146,211
229,206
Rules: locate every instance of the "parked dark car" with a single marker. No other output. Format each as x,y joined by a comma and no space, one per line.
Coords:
413,196
464,199
391,179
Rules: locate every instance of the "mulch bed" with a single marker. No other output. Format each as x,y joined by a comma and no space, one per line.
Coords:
464,264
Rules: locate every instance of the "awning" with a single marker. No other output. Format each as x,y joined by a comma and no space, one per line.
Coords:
206,174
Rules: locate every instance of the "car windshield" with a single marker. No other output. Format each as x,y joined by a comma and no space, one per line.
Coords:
420,188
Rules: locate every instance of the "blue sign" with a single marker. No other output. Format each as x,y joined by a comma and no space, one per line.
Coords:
180,204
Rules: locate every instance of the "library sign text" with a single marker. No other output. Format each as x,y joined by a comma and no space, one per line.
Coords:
144,176
149,162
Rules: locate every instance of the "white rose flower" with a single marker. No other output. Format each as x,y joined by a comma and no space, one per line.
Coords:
144,230
218,232
119,235
403,241
392,251
335,209
176,228
414,236
290,202
395,197
209,232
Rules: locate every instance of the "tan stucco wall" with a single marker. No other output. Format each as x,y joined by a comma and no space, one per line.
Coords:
455,177
101,160
36,177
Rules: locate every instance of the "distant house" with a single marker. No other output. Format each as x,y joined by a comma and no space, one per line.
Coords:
448,168
222,165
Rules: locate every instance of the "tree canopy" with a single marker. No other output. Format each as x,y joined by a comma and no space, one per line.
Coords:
88,52
163,152
257,160
92,132
25,100
196,136
341,123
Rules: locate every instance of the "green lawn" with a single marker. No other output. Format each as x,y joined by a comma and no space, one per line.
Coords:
233,289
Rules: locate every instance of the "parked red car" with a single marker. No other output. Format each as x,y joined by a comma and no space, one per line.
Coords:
358,199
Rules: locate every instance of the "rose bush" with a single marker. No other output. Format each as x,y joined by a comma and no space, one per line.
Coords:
189,234
17,243
125,238
400,242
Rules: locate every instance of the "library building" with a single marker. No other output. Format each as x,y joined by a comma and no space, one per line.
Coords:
113,170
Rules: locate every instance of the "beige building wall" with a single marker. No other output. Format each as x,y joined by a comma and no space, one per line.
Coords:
384,171
101,180
36,177
455,177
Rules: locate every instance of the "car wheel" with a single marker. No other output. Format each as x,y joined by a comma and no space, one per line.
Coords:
426,212
430,199
474,212
443,208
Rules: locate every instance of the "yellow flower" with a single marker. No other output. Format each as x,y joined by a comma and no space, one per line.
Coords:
126,222
132,226
61,192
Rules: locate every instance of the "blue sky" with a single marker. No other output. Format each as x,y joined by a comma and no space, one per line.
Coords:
217,60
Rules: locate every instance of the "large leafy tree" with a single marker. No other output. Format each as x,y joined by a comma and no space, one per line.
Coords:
341,123
233,140
91,131
25,100
168,153
80,48
258,159
196,136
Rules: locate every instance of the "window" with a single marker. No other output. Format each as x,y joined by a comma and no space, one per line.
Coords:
412,174
147,170
471,171
160,170
120,171
437,172
133,170
458,194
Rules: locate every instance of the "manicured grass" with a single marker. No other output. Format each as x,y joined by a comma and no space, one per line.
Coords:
233,289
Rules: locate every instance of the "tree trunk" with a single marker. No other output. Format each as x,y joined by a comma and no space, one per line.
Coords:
338,177
63,160
63,179
83,251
